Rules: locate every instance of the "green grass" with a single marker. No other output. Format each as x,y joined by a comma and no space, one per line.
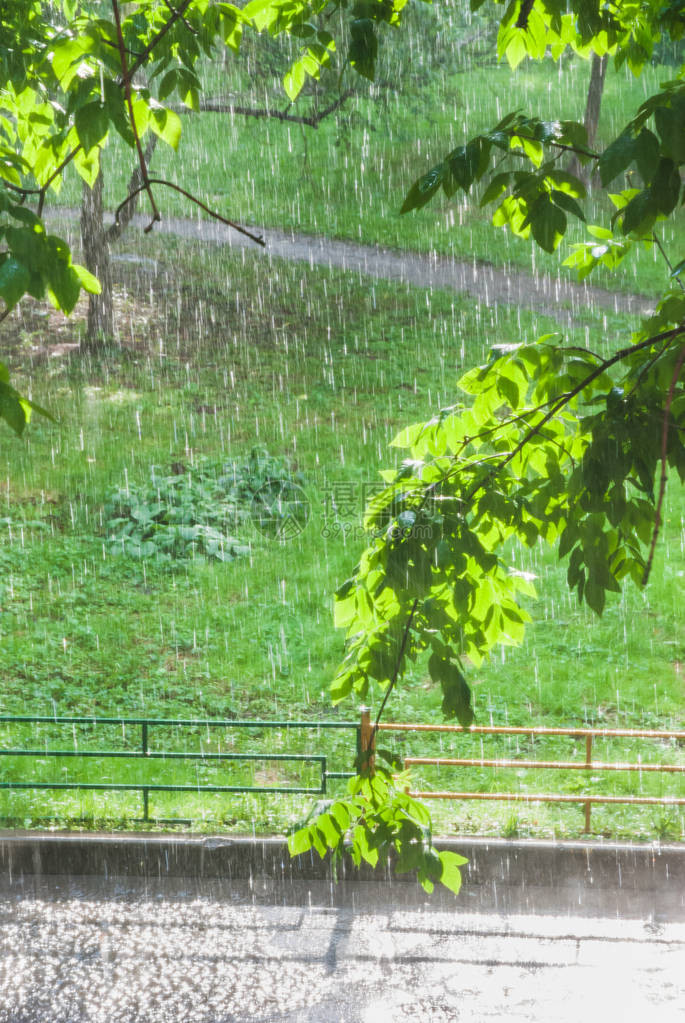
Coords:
321,369
348,178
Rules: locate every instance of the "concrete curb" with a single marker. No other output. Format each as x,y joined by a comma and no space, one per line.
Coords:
541,864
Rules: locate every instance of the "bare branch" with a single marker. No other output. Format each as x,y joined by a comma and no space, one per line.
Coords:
127,210
177,188
313,121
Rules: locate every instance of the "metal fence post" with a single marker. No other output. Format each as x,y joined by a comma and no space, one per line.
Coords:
588,765
146,792
367,742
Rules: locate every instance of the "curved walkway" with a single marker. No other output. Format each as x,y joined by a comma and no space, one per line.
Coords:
561,298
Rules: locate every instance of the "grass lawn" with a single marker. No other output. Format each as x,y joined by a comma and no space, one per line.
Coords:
221,355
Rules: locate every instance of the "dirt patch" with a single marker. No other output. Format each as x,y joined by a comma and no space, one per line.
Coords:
37,331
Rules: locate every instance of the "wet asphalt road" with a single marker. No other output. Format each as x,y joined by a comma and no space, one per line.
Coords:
80,950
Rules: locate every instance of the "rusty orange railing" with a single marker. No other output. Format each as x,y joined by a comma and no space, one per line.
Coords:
588,764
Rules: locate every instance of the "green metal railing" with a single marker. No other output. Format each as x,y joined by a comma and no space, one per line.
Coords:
145,753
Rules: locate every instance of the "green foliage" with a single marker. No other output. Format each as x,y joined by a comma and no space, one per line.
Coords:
377,821
194,510
74,73
551,442
14,408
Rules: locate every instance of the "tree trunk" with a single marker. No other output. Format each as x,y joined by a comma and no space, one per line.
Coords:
592,109
594,96
100,328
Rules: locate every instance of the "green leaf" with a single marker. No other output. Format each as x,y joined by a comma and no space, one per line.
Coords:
666,186
670,126
568,203
92,124
168,84
294,79
456,700
497,186
14,280
167,125
13,409
64,286
640,212
363,48
646,154
86,279
423,190
617,157
469,163
547,224
450,874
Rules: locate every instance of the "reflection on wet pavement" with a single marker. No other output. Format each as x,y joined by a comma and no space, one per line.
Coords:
91,950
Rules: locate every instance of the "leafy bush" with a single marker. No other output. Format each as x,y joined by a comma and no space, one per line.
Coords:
192,510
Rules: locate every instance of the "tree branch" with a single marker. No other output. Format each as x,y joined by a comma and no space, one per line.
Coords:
128,208
312,121
524,14
126,81
396,673
557,145
138,63
178,14
177,188
568,396
41,192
